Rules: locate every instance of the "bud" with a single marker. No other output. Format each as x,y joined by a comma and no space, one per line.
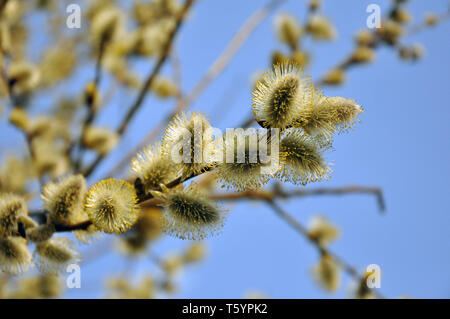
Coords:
321,28
99,139
363,54
322,231
288,30
164,87
327,273
335,77
19,118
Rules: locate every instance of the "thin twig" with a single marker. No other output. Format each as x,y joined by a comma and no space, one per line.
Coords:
280,193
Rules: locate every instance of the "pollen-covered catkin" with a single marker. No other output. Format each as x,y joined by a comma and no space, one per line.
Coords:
53,256
363,54
64,200
189,141
288,29
189,214
102,140
322,231
282,96
112,205
11,207
335,77
15,257
326,273
153,167
244,170
164,87
40,233
302,159
330,114
321,28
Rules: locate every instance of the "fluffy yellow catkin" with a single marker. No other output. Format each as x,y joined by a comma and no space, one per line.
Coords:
15,257
335,77
322,231
112,205
64,200
11,207
194,253
288,29
54,255
282,96
302,159
164,87
189,214
363,54
188,140
19,118
102,140
247,172
327,273
330,114
154,168
24,76
321,28
107,24
40,233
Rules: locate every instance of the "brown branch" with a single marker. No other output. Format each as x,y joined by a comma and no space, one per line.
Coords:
302,230
280,193
144,90
211,74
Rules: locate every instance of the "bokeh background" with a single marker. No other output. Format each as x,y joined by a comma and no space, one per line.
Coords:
401,145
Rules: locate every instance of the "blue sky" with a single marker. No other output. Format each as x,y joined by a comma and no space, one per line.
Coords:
401,145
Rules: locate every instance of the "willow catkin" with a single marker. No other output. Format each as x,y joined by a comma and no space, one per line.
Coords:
54,255
330,114
322,231
321,28
327,273
188,141
153,167
11,207
112,205
288,29
190,214
40,233
244,170
15,257
302,159
102,140
64,200
282,96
